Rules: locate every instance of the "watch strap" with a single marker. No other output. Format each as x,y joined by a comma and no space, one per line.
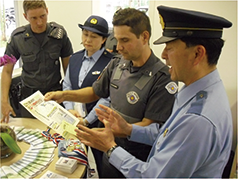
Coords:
109,152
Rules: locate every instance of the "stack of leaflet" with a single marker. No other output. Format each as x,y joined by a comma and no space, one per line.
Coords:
66,165
36,158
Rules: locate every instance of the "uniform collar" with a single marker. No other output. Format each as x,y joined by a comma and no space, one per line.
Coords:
188,92
95,56
145,69
29,34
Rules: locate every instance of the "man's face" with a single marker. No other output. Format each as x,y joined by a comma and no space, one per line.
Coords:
128,45
37,19
180,60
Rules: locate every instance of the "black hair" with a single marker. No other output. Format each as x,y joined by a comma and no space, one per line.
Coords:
213,47
137,20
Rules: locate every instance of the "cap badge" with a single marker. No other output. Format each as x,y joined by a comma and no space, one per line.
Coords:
132,97
161,21
93,21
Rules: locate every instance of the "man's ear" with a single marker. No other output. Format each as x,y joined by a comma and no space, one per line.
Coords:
25,16
146,36
200,54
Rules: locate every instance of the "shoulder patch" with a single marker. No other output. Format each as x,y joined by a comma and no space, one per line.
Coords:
171,87
57,30
54,24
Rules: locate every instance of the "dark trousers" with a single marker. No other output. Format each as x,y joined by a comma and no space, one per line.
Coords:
97,154
140,151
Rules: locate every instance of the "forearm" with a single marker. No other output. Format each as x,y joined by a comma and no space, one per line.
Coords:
144,122
92,116
5,84
65,62
84,95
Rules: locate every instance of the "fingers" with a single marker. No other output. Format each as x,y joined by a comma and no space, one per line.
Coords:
48,96
13,113
5,117
106,124
105,108
101,114
84,134
83,129
104,112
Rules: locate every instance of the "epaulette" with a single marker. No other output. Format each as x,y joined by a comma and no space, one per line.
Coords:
108,54
18,30
197,106
15,32
54,24
57,30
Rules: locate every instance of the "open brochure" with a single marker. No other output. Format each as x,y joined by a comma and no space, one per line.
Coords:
52,114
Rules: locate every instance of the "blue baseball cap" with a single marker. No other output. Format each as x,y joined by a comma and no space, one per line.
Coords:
97,25
177,23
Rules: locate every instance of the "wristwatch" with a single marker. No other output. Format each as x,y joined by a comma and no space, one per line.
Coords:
109,152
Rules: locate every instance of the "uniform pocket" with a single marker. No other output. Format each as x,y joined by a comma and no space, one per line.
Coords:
54,60
30,63
54,56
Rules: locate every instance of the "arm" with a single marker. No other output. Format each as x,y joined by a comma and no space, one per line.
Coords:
65,62
67,86
92,116
84,95
174,155
144,122
5,86
105,112
69,105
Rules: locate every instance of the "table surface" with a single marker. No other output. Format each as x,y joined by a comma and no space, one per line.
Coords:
37,124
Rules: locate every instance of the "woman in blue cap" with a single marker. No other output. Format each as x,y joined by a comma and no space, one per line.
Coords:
84,68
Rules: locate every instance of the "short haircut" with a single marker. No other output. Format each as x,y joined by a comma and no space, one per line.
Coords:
213,47
33,4
137,20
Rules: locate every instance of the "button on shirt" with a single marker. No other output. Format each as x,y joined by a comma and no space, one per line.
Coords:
87,64
193,143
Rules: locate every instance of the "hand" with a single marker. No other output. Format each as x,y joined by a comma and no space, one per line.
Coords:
119,126
6,110
100,139
75,113
57,96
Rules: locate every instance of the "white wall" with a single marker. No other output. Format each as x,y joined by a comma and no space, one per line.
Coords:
70,13
67,13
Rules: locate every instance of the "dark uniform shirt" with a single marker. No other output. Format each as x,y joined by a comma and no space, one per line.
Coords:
41,65
136,93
